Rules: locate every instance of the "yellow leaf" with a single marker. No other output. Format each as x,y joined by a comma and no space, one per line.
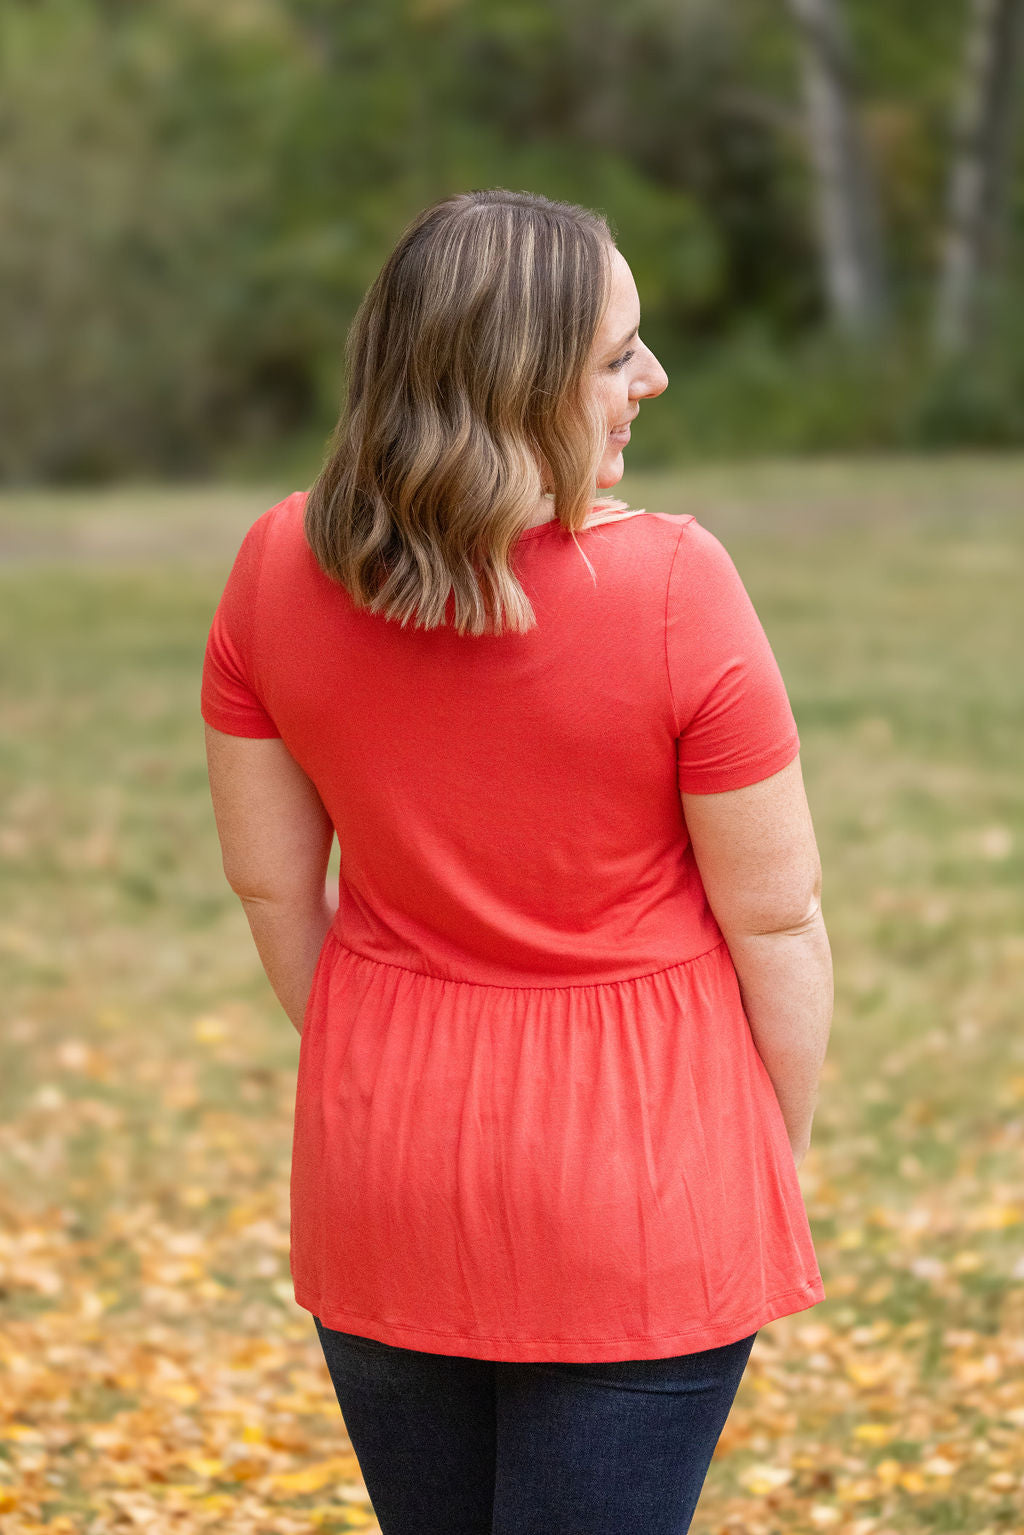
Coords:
205,1465
912,1481
864,1373
246,1468
300,1401
254,1350
1002,1481
857,1492
311,1478
764,1479
176,1391
873,1433
352,1492
238,1216
208,1030
996,1217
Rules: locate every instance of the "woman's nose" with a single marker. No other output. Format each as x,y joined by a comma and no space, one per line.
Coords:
652,381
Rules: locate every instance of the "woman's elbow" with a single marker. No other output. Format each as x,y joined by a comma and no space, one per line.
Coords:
261,887
791,908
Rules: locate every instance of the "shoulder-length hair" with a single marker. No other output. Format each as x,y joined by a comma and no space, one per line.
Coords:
467,401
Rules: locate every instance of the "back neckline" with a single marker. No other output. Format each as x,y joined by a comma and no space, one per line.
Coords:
595,520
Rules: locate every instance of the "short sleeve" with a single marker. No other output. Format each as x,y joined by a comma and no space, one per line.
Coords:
734,723
230,701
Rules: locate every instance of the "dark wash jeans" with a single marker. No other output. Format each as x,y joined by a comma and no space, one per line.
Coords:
456,1446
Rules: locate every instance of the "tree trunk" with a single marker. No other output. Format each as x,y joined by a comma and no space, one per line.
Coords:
847,201
980,178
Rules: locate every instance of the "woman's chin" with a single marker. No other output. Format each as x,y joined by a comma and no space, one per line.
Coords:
610,470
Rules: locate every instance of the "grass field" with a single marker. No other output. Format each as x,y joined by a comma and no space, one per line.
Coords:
156,1373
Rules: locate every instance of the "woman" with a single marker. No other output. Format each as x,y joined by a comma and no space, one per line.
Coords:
563,1021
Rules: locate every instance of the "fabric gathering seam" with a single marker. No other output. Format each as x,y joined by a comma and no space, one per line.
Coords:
450,980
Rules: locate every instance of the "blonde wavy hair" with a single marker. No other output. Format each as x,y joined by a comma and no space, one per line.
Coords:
467,400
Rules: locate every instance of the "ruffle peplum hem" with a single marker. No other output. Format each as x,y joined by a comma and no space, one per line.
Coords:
567,1173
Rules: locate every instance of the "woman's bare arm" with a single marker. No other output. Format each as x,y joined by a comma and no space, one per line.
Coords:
275,837
758,859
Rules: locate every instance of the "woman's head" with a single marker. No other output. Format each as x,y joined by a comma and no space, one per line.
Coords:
623,370
476,383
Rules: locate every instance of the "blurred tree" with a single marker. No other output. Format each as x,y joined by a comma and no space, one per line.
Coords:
980,177
851,242
194,199
141,319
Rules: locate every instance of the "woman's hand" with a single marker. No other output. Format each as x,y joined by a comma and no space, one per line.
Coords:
758,859
275,837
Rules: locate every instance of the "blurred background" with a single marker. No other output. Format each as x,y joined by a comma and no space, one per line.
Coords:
821,201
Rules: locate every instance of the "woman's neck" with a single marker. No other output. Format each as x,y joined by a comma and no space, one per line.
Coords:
545,511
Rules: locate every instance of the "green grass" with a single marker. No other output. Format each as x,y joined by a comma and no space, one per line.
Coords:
147,1082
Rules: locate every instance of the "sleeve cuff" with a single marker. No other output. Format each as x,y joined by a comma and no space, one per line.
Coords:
739,775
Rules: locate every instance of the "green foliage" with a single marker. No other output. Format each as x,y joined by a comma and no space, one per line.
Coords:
194,199
977,401
142,312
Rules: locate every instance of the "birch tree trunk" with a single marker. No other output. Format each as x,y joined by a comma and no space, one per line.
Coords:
848,216
980,178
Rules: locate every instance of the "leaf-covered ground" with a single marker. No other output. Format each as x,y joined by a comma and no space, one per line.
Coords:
155,1372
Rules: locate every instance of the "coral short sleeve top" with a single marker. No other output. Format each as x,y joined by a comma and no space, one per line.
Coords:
531,1122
